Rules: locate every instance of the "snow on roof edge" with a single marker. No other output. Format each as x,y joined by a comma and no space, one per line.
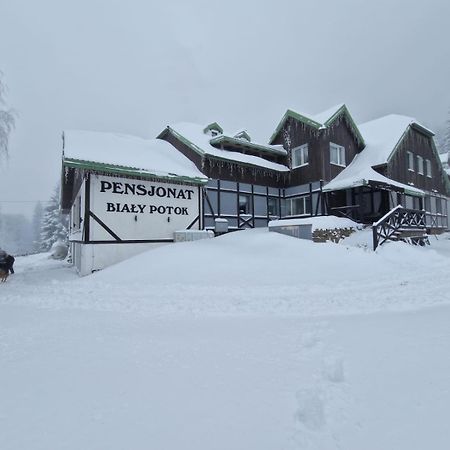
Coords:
123,153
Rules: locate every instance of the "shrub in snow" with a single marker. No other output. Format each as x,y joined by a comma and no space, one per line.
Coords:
59,250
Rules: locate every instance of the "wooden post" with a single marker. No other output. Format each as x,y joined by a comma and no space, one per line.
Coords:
375,237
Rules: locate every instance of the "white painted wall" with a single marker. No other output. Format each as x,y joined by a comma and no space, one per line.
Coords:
155,218
93,257
149,224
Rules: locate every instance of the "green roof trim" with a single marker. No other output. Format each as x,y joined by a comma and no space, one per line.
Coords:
430,134
243,135
242,142
201,152
213,126
294,115
316,125
130,171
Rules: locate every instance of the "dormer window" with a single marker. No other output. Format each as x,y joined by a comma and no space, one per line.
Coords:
243,135
213,129
337,154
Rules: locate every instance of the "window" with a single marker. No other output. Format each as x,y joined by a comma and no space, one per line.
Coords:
438,206
300,156
337,154
273,206
410,161
428,167
419,165
427,204
244,204
300,206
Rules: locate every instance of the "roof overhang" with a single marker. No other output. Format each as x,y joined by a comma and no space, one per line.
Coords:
130,171
244,144
376,184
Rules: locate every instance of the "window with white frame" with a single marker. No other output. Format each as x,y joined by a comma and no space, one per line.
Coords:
273,206
428,168
300,156
410,157
337,154
244,204
300,206
419,165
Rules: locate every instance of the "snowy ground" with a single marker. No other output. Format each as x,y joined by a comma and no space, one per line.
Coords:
250,341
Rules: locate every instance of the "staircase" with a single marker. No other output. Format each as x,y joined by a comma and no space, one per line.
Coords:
401,224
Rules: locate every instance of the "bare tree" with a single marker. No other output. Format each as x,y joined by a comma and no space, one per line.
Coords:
446,139
7,121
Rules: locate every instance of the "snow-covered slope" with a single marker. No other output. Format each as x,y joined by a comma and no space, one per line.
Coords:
251,340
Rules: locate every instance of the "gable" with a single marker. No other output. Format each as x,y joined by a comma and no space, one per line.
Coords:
321,121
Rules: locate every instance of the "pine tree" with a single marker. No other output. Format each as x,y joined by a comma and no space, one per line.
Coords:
36,223
54,224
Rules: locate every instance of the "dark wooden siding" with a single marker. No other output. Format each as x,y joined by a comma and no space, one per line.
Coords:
338,133
295,133
216,168
419,144
72,180
183,148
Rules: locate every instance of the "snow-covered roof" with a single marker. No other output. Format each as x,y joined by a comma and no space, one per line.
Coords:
325,116
320,120
382,136
193,136
124,154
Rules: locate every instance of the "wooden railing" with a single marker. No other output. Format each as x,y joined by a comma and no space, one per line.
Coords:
401,224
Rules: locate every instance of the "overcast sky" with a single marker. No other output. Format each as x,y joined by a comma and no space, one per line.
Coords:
135,66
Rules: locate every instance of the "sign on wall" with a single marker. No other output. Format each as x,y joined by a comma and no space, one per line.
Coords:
140,210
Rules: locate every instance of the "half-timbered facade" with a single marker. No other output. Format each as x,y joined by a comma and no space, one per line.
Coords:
398,166
315,165
125,194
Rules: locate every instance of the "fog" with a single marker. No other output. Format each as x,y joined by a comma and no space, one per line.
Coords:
136,66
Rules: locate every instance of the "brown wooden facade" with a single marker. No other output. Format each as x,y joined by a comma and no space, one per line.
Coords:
295,133
365,203
419,144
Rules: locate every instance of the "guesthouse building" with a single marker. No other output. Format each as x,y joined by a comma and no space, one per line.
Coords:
126,194
317,165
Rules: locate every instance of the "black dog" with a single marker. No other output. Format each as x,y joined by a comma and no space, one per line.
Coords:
8,264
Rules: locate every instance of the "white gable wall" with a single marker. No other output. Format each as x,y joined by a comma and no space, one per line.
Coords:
140,215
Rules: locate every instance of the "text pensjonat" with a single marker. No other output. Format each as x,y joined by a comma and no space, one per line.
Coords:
117,187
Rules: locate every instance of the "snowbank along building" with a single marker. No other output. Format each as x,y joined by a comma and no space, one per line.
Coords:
125,194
